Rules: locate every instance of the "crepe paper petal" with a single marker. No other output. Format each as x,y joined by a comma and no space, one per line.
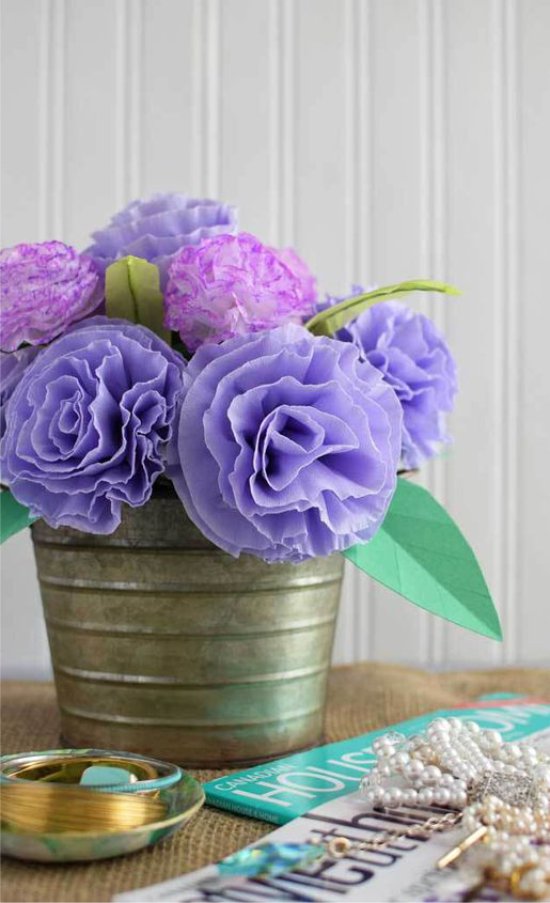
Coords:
286,445
13,516
329,321
234,285
88,424
132,292
155,228
421,554
416,361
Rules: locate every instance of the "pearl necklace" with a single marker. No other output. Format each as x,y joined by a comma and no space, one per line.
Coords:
503,790
450,764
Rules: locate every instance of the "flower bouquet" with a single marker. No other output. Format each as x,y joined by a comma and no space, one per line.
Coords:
179,393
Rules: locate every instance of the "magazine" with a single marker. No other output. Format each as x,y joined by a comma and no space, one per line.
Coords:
402,871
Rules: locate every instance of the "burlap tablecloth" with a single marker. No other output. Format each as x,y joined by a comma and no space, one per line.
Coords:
362,697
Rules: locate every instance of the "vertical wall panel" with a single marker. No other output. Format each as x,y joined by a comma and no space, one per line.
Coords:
25,217
22,139
171,103
476,319
246,162
385,139
91,107
317,152
319,144
533,150
399,629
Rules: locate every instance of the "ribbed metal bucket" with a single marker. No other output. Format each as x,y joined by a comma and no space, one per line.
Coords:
163,644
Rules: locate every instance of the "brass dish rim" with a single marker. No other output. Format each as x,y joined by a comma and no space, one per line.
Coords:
28,760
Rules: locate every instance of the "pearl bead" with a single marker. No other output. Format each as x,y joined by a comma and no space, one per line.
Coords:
442,796
469,822
542,774
425,796
400,759
385,750
460,799
414,768
493,738
506,865
393,798
440,724
431,774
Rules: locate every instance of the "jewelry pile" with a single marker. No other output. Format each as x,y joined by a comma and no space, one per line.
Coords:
498,792
502,790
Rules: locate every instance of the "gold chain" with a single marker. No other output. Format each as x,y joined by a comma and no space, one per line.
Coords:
338,847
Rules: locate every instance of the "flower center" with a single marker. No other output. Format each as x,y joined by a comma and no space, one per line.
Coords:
288,440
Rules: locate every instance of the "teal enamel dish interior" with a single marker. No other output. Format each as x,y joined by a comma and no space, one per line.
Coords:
182,800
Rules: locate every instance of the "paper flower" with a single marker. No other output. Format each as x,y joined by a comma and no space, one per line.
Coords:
308,282
158,227
43,289
286,445
88,422
417,363
232,285
12,367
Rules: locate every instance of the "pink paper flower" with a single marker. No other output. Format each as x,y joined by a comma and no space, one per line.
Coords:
43,289
308,282
232,285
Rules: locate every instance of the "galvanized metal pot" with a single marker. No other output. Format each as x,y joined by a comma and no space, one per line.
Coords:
163,644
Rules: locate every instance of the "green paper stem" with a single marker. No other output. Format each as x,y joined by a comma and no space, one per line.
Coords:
329,321
421,554
132,292
13,516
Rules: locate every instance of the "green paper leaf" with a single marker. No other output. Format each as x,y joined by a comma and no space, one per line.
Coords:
420,553
132,292
13,516
329,321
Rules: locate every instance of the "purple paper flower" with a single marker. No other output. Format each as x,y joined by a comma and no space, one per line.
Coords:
88,422
12,367
43,289
286,446
158,227
232,285
417,363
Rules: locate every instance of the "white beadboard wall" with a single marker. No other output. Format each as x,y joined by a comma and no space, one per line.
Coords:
385,139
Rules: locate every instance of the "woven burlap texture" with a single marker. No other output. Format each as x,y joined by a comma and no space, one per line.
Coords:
362,697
